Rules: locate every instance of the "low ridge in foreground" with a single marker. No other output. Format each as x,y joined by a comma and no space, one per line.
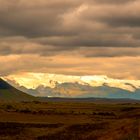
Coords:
9,93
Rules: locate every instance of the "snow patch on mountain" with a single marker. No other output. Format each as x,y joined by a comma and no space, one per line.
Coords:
34,80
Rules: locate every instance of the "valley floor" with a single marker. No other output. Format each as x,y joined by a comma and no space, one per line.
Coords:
69,121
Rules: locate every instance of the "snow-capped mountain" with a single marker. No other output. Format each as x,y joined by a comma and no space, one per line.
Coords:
33,80
55,85
76,90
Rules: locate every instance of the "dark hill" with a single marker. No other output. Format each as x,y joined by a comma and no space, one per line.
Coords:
4,85
9,93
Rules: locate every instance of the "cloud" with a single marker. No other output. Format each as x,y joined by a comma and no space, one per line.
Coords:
113,1
110,52
35,18
72,24
57,46
121,68
62,18
71,37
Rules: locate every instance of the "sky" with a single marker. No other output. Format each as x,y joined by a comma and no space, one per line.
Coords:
70,37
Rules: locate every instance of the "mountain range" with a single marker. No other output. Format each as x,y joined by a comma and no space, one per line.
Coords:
77,91
80,90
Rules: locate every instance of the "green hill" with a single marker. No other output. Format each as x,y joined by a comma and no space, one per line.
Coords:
9,93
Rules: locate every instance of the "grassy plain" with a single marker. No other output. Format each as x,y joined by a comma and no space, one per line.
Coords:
69,121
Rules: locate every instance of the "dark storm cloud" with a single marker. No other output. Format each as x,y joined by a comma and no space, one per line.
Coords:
113,1
30,22
54,27
74,37
34,18
91,40
110,52
130,21
22,46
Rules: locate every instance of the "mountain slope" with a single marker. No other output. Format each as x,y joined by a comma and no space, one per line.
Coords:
9,93
85,87
77,90
33,80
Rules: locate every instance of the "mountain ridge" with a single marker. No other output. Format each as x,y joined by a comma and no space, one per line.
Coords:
10,93
33,80
76,90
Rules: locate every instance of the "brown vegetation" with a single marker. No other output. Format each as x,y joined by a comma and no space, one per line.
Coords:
69,121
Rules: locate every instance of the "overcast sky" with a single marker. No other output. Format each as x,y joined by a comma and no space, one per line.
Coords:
74,37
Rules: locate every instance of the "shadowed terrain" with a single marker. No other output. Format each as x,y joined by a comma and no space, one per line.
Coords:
9,93
71,121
